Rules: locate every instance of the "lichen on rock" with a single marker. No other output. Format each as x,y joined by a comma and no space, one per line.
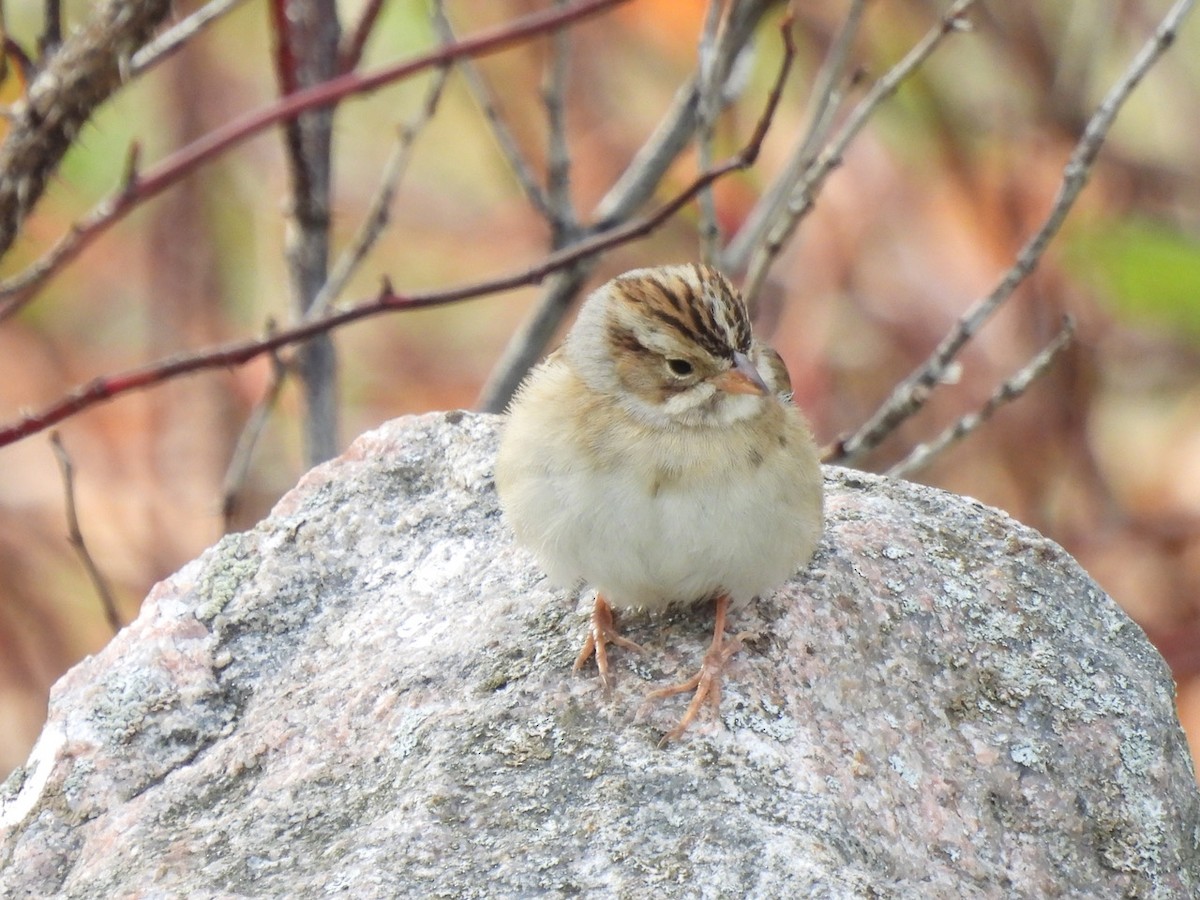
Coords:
371,692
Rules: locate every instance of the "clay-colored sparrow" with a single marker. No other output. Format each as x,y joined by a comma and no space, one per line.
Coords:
655,457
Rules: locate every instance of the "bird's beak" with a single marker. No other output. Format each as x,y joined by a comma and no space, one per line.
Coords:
743,378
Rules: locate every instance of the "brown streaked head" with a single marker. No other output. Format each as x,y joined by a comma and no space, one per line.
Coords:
672,344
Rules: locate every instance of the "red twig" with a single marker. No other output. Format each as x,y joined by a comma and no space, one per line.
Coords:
218,141
353,43
15,52
107,387
285,61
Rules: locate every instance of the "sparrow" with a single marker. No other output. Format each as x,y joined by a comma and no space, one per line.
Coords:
657,457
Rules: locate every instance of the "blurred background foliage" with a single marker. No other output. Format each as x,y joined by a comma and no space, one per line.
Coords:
929,208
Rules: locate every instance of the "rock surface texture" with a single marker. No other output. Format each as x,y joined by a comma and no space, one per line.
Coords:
371,695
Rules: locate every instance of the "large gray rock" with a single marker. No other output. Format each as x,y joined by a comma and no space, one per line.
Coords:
370,694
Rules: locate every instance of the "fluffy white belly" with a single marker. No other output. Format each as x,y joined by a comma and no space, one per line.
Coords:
684,543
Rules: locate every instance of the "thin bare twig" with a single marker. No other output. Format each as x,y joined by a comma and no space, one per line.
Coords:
14,55
355,41
781,227
526,345
381,204
709,107
558,157
177,35
68,86
507,141
1008,391
105,388
243,450
52,32
17,291
75,536
632,189
347,263
677,128
824,102
911,394
307,33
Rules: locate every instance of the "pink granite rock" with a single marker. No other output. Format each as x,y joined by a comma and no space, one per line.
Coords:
371,694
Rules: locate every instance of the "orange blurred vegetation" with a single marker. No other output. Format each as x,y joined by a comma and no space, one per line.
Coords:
928,209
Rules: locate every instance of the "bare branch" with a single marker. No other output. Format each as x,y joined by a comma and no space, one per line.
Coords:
506,140
75,79
243,451
51,37
558,158
1010,390
14,54
530,339
20,289
381,204
675,131
708,107
355,42
781,226
912,393
75,536
105,388
177,35
307,33
823,104
634,187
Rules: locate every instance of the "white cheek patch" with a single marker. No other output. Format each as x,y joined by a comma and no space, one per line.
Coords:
705,405
691,400
732,408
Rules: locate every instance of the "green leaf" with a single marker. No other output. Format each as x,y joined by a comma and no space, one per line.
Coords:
1147,271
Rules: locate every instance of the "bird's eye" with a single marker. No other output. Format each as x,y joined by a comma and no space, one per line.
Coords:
679,367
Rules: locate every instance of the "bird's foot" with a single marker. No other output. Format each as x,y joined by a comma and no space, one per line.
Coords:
707,682
601,632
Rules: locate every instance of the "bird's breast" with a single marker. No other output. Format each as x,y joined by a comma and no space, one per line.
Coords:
651,515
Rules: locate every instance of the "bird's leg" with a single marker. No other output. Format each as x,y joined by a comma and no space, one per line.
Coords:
600,632
707,682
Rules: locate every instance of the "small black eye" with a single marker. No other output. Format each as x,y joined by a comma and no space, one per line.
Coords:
679,367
